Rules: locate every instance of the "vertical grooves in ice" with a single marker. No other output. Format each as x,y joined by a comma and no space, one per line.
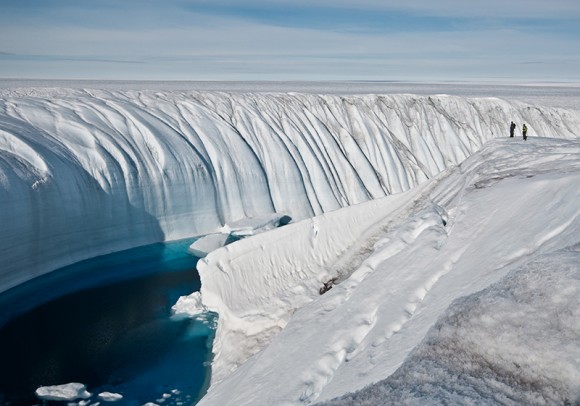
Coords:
85,172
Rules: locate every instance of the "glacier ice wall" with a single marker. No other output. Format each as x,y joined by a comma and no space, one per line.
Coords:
85,172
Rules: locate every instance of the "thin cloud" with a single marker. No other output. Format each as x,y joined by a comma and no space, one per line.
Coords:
199,40
445,8
92,59
78,58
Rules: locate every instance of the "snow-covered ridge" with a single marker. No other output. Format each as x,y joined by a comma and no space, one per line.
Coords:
85,172
399,262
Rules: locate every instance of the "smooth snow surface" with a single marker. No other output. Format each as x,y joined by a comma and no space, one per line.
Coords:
398,263
87,172
69,391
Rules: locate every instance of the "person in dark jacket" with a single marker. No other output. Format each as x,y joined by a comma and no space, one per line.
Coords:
525,132
512,129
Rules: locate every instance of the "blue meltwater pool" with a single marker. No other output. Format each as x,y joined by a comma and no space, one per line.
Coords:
106,322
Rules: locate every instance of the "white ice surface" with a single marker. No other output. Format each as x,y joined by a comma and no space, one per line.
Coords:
514,343
84,172
240,229
110,396
554,94
208,243
190,305
255,225
66,392
399,262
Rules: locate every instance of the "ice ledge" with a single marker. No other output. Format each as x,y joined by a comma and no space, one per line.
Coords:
237,230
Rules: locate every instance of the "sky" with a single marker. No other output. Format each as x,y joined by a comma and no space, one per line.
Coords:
288,40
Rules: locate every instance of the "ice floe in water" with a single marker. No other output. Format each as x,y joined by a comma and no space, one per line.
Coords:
190,305
110,396
65,392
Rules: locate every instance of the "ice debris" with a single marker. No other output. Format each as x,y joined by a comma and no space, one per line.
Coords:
66,392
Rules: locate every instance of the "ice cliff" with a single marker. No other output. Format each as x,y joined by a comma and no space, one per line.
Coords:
85,172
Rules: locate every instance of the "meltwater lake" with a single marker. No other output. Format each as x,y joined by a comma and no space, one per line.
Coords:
106,322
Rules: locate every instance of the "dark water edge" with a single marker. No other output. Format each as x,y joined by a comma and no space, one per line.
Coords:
106,322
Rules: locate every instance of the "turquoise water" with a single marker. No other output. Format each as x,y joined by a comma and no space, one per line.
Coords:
106,322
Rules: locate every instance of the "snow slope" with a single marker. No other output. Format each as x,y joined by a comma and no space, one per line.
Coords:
514,343
399,263
86,172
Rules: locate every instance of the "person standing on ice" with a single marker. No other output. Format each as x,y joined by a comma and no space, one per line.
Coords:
512,129
525,132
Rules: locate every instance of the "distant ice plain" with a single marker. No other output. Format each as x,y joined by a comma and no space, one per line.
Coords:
554,94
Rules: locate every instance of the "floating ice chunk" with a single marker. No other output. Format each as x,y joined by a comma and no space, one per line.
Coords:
84,403
163,397
189,305
67,392
208,243
150,404
255,225
110,397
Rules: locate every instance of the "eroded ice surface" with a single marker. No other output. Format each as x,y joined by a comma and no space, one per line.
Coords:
85,172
